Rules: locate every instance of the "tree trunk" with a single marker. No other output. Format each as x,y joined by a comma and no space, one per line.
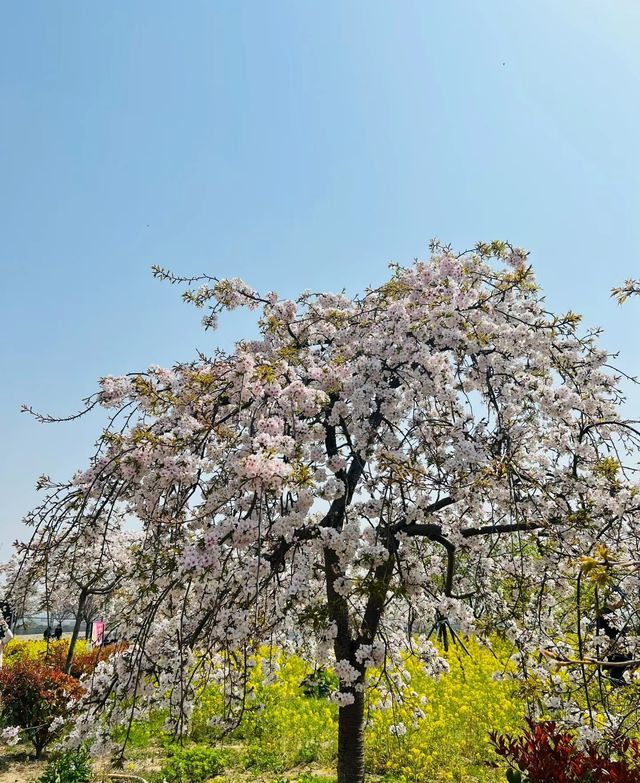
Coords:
351,741
76,632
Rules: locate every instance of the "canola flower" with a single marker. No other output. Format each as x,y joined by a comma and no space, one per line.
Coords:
39,649
437,731
444,722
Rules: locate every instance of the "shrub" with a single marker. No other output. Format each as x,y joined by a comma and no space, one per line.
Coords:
54,654
547,754
72,767
193,764
33,696
85,659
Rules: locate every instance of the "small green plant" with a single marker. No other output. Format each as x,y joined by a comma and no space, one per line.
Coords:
71,767
194,764
257,757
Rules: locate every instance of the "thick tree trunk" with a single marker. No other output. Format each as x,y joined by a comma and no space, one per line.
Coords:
351,741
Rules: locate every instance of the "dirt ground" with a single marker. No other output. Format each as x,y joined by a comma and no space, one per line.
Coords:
16,766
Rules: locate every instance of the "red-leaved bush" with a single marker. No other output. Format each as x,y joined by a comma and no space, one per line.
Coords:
547,754
84,661
32,696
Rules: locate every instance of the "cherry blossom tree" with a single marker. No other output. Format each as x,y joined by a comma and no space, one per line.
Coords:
10,572
438,450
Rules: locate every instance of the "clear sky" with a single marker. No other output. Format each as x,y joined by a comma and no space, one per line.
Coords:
298,145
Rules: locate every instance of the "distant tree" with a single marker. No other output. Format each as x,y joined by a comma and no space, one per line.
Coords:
73,568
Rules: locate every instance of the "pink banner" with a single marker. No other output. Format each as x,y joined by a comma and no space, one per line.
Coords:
97,635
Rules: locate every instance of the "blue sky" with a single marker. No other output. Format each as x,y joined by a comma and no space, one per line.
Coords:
298,145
